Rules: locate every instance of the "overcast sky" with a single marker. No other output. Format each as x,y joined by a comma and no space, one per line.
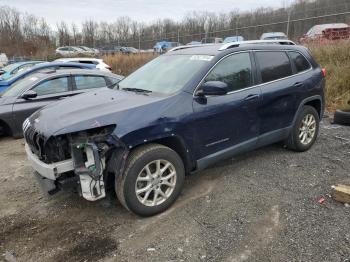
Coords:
139,10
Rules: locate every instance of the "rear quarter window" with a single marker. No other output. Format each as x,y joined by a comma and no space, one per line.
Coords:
273,65
300,62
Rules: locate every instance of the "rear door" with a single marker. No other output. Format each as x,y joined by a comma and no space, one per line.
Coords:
278,86
48,91
85,83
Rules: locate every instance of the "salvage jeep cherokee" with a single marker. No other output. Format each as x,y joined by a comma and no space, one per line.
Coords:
178,114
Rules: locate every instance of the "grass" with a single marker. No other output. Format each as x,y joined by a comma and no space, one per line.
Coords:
335,57
126,64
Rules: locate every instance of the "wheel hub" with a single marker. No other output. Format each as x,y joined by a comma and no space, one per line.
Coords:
307,129
155,183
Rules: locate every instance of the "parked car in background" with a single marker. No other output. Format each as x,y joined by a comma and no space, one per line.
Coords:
129,50
212,40
178,114
12,69
69,51
17,59
235,38
194,43
42,88
109,50
273,36
164,46
86,50
86,60
326,32
3,59
48,66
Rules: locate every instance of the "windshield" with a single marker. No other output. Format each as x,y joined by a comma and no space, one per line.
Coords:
18,87
166,74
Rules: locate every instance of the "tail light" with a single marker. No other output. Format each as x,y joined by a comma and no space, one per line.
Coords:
324,72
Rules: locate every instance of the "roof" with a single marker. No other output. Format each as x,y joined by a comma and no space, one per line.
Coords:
78,59
46,74
77,72
317,29
274,34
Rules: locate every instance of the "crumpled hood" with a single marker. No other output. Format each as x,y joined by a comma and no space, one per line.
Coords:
86,111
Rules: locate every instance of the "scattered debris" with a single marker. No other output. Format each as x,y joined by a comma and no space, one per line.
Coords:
321,200
10,256
341,193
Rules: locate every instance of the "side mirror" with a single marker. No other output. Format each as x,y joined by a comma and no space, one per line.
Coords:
212,88
29,94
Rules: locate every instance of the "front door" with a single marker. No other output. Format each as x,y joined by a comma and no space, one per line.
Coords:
228,121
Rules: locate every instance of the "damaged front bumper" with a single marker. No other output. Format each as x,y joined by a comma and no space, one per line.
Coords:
51,177
96,157
49,171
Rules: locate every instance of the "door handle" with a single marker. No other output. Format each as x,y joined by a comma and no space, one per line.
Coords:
251,97
298,84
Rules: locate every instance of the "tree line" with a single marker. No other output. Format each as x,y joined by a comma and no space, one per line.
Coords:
27,35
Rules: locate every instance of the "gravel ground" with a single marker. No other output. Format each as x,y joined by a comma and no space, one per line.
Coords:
260,206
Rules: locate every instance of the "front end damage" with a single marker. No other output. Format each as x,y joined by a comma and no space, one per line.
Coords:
92,158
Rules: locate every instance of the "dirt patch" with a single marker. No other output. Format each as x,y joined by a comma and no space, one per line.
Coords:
260,206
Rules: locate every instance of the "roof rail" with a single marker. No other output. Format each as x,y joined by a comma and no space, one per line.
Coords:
237,44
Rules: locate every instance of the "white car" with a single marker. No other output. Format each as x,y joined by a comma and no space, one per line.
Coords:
3,59
69,51
86,60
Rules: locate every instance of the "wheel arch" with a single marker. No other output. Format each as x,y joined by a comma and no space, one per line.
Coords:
5,128
116,161
177,144
314,101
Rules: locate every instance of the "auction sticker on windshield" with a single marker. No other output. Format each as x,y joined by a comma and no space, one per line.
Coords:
201,57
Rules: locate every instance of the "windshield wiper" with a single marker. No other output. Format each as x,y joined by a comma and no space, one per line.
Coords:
137,90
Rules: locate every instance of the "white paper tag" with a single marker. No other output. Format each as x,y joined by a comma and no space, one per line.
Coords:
201,57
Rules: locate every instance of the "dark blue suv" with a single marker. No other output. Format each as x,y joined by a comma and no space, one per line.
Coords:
178,114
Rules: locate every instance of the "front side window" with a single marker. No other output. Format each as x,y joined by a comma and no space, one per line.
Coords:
235,71
300,62
273,65
87,82
52,86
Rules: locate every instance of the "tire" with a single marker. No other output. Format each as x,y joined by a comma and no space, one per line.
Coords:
342,117
301,138
151,156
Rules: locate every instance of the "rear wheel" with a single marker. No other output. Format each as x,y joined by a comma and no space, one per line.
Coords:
305,130
152,180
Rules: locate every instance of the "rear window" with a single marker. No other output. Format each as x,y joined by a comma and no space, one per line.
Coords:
88,62
300,62
87,82
273,65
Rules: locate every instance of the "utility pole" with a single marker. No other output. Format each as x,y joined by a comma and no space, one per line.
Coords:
289,16
139,42
288,22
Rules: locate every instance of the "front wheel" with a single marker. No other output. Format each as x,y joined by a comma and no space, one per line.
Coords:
305,130
152,180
